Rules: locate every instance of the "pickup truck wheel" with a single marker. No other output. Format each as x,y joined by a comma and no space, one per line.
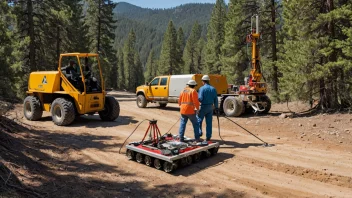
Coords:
233,106
162,105
141,101
62,111
111,109
31,108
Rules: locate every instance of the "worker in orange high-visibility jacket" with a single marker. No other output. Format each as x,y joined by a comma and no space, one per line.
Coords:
189,106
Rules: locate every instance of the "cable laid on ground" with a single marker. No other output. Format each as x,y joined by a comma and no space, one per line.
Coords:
130,135
217,116
265,143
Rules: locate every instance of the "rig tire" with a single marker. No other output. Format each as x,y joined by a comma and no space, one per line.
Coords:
233,106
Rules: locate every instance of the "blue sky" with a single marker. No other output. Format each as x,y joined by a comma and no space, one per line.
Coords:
164,3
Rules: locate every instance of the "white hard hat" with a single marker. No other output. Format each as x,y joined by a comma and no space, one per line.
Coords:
192,82
205,77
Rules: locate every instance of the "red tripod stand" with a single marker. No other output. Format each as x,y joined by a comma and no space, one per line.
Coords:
154,132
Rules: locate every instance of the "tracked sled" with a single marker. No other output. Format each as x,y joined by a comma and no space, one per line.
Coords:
166,151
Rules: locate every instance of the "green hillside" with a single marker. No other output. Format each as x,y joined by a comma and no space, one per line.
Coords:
150,24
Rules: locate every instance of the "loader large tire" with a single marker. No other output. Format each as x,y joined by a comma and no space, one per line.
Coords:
268,104
111,109
141,101
62,111
233,106
32,109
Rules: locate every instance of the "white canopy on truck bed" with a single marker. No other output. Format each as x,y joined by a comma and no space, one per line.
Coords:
177,83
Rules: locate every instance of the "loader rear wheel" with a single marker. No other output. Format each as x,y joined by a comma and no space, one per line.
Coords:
233,106
141,101
130,154
139,158
111,109
157,164
32,109
148,160
168,167
62,111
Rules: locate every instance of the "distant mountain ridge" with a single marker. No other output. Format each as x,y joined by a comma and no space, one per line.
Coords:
150,24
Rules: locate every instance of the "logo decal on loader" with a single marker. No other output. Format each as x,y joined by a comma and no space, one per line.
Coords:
44,81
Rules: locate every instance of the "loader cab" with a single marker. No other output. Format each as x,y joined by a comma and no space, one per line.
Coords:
83,72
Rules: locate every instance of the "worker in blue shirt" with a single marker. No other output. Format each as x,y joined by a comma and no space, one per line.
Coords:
207,96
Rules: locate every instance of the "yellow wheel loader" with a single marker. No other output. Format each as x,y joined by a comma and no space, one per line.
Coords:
77,88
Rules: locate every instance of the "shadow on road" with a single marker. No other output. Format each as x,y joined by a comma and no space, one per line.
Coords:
93,121
45,159
203,164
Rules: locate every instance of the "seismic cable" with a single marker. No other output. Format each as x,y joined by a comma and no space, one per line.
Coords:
265,143
130,135
217,116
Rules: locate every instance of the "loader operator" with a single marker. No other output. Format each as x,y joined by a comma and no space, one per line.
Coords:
188,102
207,97
73,74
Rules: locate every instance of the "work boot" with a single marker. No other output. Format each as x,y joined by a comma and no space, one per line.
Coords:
199,140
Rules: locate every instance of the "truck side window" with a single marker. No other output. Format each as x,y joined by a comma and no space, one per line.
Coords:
163,82
155,82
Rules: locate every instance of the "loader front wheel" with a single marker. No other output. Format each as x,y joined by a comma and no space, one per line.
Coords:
32,109
233,106
62,111
111,109
141,101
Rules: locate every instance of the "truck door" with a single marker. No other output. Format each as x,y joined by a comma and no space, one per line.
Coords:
163,92
153,89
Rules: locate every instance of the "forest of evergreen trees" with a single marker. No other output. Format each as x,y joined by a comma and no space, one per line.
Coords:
306,45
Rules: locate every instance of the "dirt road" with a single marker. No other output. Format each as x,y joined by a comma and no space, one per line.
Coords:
311,157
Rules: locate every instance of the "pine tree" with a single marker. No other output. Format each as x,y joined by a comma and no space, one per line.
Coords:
100,20
233,55
168,56
199,66
180,45
6,50
151,67
215,38
128,60
121,70
271,36
313,61
138,71
190,53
